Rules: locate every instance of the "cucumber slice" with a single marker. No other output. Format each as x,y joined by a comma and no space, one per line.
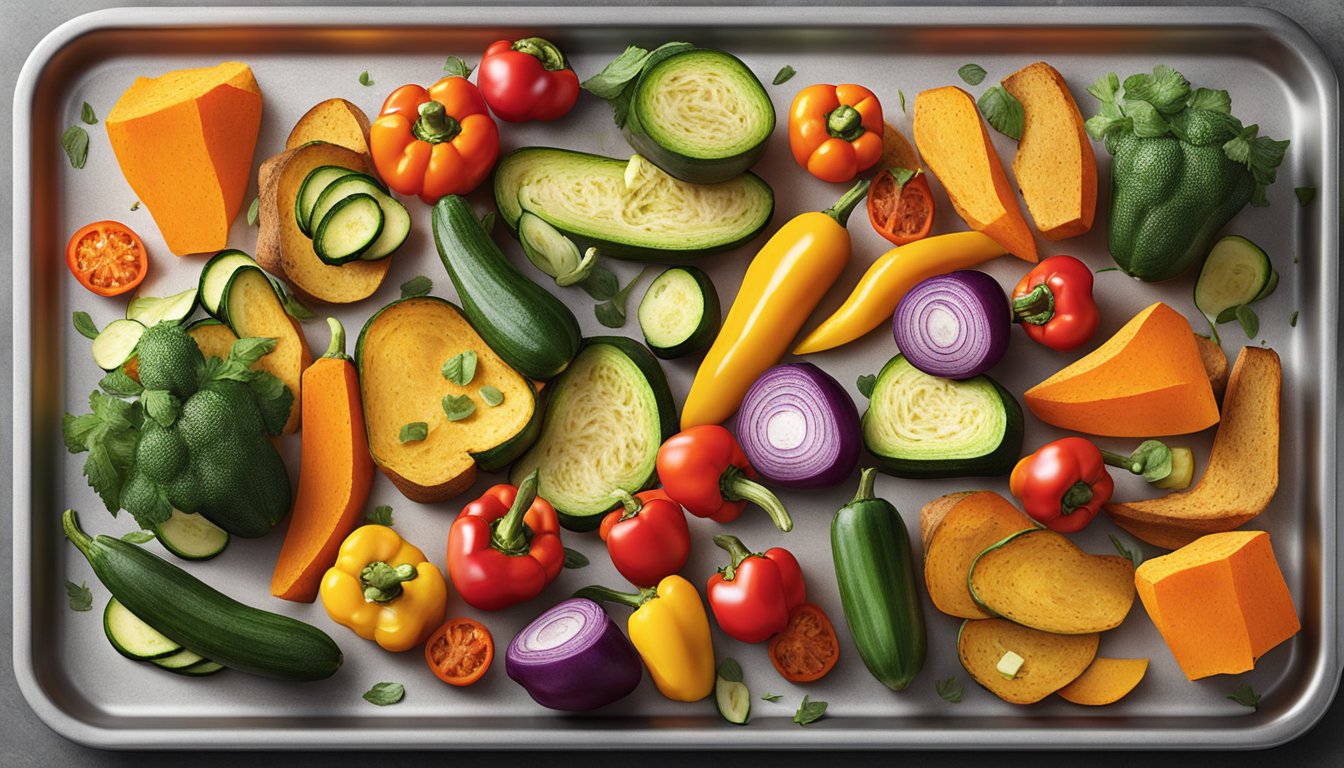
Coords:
215,276
132,637
731,694
348,228
148,310
311,188
680,314
199,669
1236,272
191,537
178,661
116,343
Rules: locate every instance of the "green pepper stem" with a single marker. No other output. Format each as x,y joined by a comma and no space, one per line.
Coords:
735,486
867,482
382,582
736,550
336,349
844,122
845,205
435,124
510,534
601,594
1128,463
631,504
1036,307
76,535
543,50
1078,495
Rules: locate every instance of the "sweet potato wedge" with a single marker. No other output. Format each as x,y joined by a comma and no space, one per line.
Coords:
1105,681
970,523
1040,579
1054,165
1049,661
335,121
957,149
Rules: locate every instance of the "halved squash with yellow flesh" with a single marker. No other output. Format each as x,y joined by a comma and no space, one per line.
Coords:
254,310
214,338
972,523
400,355
931,516
1047,663
335,121
1106,681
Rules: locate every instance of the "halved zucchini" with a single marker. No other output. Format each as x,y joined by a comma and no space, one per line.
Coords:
149,310
191,537
215,276
680,314
115,344
348,228
1236,272
606,416
254,310
132,637
923,426
311,188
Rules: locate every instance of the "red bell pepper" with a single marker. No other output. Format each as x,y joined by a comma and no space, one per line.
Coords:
704,470
753,597
1054,303
1063,485
527,80
505,547
647,537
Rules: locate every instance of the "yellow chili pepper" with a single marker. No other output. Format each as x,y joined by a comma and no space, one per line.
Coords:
670,629
384,589
880,289
783,284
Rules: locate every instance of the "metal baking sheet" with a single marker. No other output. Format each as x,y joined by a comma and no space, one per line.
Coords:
86,692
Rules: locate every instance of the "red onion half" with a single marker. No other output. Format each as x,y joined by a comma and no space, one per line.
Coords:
955,326
573,657
799,427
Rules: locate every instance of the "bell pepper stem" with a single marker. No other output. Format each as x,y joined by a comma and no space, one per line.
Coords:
336,349
1128,463
542,50
631,504
736,550
510,534
1036,307
76,535
735,486
845,123
1077,496
601,594
382,582
435,125
845,205
867,483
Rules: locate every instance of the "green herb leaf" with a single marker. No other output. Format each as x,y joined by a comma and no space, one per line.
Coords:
161,406
601,284
1107,269
364,78
488,222
609,83
75,142
1250,322
457,67
118,384
413,432
109,435
1305,195
87,115
901,93
458,407
1246,697
1292,320
1132,554
902,176
612,312
1226,316
416,286
971,74
491,395
253,211
138,537
1003,111
84,324
809,711
949,689
1145,119
784,75
730,670
1260,154
1211,100
866,383
384,694
81,599
293,307
460,368
575,558
379,515
1165,90
250,349
135,206
771,697
1154,460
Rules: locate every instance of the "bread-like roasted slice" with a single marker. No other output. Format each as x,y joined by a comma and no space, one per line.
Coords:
400,355
335,121
1049,661
961,526
1054,165
1040,579
1105,681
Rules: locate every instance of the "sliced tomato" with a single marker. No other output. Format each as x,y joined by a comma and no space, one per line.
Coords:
460,651
902,216
807,649
107,258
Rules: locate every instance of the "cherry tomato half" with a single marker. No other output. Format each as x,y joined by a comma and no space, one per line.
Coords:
902,219
107,258
460,651
807,649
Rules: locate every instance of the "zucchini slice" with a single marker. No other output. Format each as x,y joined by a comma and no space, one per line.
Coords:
179,661
199,669
311,188
348,228
132,637
149,310
215,276
733,699
630,210
921,426
115,344
191,537
1237,272
680,314
701,115
606,416
396,219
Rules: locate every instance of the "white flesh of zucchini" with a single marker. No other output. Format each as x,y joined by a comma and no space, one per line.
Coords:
148,310
132,637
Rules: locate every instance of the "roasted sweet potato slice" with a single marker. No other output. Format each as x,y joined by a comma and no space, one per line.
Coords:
969,524
335,121
1105,681
1215,364
1049,661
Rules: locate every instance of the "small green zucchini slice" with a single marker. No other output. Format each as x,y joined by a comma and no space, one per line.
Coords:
149,310
348,228
1236,272
311,189
215,277
181,660
132,637
191,537
116,343
731,695
680,314
200,669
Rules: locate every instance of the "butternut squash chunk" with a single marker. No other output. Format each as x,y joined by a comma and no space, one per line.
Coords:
184,142
957,149
335,121
1148,380
1220,602
1106,681
1054,165
970,524
1049,661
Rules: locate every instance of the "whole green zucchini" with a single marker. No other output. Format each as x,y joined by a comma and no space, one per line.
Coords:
202,619
523,323
875,569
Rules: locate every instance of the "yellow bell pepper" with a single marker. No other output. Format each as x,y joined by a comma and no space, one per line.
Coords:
384,589
670,629
784,283
881,288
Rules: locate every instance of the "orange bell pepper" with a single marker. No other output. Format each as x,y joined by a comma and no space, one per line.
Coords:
435,142
835,131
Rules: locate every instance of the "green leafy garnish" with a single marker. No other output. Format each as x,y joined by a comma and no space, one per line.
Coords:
84,324
730,670
1106,269
575,558
460,368
1132,554
971,74
81,599
416,286
1003,111
866,383
458,407
86,114
161,406
611,313
491,395
456,67
135,206
771,697
1305,195
616,81
293,307
253,211
1250,322
413,432
118,384
809,711
75,142
379,515
109,434
1292,319
1246,697
138,537
901,93
949,689
1261,154
384,694
364,78
601,284
784,75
